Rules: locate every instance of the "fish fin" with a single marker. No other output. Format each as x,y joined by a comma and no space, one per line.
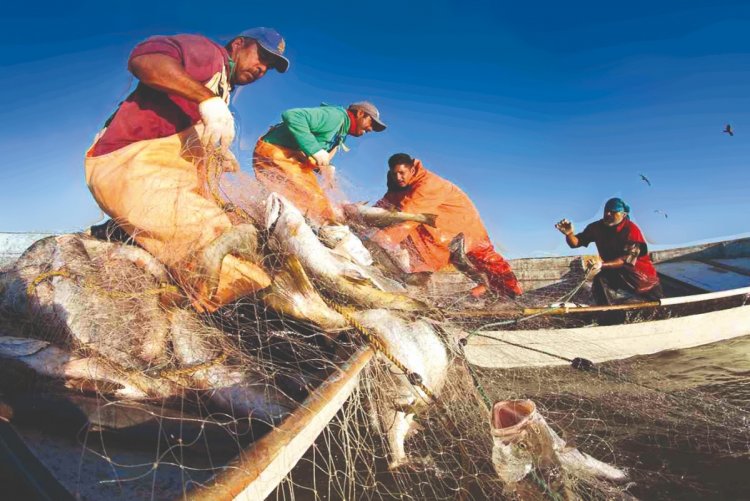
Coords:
293,276
359,279
431,219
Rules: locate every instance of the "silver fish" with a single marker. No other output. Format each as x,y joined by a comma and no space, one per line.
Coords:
417,346
523,441
49,360
382,218
87,296
289,234
292,294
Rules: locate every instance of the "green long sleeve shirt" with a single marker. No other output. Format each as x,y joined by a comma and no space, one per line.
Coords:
310,129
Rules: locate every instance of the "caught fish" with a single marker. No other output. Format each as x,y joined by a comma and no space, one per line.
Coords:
420,349
382,218
79,293
244,389
460,260
95,311
292,294
49,360
289,234
523,441
341,240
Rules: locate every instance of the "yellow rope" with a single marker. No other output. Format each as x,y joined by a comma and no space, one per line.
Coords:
44,276
413,378
163,288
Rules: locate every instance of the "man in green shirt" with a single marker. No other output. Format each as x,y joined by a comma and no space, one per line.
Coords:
289,155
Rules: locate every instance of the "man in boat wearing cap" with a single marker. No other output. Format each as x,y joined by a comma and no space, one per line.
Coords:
458,238
149,168
623,262
289,155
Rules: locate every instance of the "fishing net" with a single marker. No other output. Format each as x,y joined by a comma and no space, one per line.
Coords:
679,428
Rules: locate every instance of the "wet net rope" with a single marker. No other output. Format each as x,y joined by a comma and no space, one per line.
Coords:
643,415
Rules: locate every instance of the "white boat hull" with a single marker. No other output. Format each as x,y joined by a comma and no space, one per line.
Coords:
548,347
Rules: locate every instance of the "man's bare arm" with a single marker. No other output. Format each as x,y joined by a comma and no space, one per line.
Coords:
166,74
566,228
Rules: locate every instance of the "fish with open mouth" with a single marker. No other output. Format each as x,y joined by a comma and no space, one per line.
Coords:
523,441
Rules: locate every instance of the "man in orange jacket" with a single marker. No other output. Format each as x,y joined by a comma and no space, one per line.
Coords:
459,236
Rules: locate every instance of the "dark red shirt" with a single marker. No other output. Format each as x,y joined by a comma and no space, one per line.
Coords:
148,113
613,242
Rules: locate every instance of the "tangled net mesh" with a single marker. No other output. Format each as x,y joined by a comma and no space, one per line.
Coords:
676,437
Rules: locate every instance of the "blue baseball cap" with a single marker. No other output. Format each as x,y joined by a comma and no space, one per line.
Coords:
272,42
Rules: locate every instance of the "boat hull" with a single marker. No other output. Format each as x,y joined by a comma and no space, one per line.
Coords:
548,347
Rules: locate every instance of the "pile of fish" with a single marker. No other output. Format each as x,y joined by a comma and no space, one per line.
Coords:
80,309
83,310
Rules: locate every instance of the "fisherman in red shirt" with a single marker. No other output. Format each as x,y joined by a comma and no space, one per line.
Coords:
624,263
152,165
458,238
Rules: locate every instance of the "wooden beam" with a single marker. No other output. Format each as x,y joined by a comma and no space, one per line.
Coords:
256,472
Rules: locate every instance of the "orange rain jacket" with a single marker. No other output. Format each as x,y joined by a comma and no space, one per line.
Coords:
428,247
430,193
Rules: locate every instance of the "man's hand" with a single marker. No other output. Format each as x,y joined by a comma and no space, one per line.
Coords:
218,122
565,227
322,158
592,264
229,162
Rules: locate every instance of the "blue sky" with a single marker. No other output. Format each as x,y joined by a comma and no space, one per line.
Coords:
537,111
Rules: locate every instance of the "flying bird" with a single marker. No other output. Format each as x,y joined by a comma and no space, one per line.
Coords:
662,213
728,130
645,179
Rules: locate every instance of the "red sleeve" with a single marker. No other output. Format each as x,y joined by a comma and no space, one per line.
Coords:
634,234
157,45
200,57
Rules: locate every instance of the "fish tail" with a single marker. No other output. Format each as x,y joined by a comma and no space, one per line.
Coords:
295,275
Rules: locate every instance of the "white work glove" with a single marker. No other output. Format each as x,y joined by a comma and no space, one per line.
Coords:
218,122
322,158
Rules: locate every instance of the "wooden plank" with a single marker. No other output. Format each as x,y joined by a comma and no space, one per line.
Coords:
257,471
23,474
737,264
716,250
703,275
